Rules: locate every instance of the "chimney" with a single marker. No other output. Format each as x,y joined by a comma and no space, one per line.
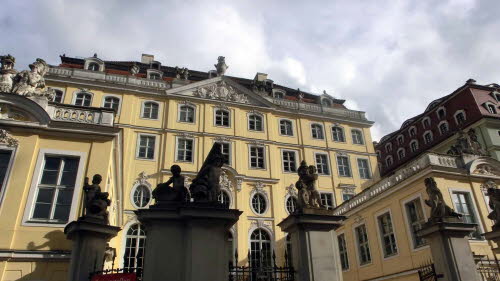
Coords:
260,77
147,59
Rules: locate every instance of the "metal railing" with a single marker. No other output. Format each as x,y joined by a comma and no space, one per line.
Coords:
488,269
263,271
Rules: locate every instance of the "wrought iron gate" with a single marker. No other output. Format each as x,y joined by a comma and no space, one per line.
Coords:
261,270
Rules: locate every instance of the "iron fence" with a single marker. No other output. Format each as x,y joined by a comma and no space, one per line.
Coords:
262,270
427,272
488,269
137,271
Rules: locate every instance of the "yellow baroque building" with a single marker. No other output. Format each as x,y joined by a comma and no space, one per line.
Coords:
130,121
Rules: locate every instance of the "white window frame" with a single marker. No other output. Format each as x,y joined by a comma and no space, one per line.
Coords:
423,122
30,203
404,153
496,95
124,239
228,114
155,71
387,158
402,139
250,155
192,106
411,142
136,185
88,61
283,93
356,243
327,163
487,106
341,129
321,129
75,94
447,127
63,90
288,196
176,154
113,96
249,114
408,225
479,222
432,136
361,134
279,127
6,180
229,196
437,113
138,141
388,150
414,129
370,174
457,113
334,203
297,160
143,104
380,237
266,199
348,161
230,150
346,252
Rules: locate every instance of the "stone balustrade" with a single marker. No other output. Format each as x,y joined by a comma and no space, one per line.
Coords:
84,115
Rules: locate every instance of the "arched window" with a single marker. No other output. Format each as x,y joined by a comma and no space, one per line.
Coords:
401,153
58,96
357,136
278,95
260,249
414,145
441,112
186,113
259,204
460,117
291,204
426,122
150,110
401,139
491,108
388,147
428,137
83,99
338,134
443,127
286,127
412,131
317,131
222,118
112,102
154,76
223,198
134,247
255,122
93,66
388,161
141,196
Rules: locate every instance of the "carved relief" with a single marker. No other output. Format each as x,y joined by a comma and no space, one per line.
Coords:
493,193
220,91
181,73
31,83
290,190
134,69
7,139
467,143
258,188
225,182
486,169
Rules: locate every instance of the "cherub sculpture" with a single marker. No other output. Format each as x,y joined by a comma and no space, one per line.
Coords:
439,209
96,202
177,193
31,83
205,186
308,195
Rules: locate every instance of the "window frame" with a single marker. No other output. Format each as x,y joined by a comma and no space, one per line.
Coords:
332,195
63,91
179,108
176,154
407,222
387,158
425,139
470,194
327,163
297,160
458,112
266,201
10,165
143,105
348,162
229,119
125,236
447,127
441,108
134,188
388,150
292,127
346,251
75,96
113,96
356,242
257,114
290,197
402,138
416,147
230,150
427,118
370,174
321,131
361,136
341,130
381,237
401,157
37,174
138,141
151,71
229,197
250,156
414,130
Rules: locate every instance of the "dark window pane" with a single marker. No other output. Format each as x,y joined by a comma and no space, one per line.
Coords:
45,195
62,212
42,211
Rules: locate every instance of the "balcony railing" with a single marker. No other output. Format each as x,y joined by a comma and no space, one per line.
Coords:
84,115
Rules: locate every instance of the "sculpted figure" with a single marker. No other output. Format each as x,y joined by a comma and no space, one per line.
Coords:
205,186
475,144
7,73
494,194
221,66
96,202
177,192
31,83
439,209
309,196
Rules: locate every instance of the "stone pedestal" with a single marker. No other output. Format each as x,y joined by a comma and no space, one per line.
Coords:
451,250
89,243
186,243
315,251
494,236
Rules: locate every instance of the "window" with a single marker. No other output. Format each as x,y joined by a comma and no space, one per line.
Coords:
58,96
441,113
414,145
222,118
286,128
426,123
496,95
257,157
135,242
93,66
388,161
347,195
401,140
260,249
387,236
5,158
186,113
322,164
443,128
327,200
291,204
259,204
154,76
413,131
317,131
55,189
491,108
185,150
401,153
278,95
388,148
416,219
146,147
289,161
460,117
83,99
338,134
357,137
344,260
364,169
363,245
223,199
226,152
428,137
255,122
343,166
150,110
141,196
112,102
463,205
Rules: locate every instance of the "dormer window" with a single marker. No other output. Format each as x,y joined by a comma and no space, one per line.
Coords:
443,127
460,117
154,76
412,131
93,66
401,139
496,95
155,65
388,148
278,95
441,113
414,145
490,107
388,161
426,123
428,137
401,153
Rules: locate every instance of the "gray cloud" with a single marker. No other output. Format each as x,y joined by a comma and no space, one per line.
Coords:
388,58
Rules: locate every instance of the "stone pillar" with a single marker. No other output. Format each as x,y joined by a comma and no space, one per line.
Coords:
450,248
315,250
186,243
89,243
494,236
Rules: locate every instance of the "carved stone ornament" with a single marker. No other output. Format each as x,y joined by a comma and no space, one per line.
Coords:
290,190
221,66
142,179
134,69
493,193
225,182
220,91
7,139
349,189
308,195
181,73
222,139
439,210
239,183
467,143
485,169
27,83
7,73
186,135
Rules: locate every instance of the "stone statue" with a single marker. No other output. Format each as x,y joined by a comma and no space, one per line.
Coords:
467,143
308,195
221,66
7,73
205,186
96,202
177,193
31,83
181,73
494,194
439,209
476,147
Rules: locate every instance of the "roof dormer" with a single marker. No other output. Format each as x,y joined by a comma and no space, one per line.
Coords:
94,64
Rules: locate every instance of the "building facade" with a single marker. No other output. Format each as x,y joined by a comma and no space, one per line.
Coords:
130,121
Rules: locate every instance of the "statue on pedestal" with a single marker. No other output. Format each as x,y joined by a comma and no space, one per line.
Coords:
308,195
7,73
177,193
205,186
96,202
221,66
439,210
31,83
494,194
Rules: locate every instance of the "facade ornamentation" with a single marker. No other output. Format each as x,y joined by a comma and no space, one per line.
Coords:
493,193
221,66
486,169
222,139
134,69
467,143
142,179
239,183
308,195
186,135
349,189
177,193
220,91
7,73
290,190
96,202
205,186
181,73
258,188
7,139
31,83
225,182
439,209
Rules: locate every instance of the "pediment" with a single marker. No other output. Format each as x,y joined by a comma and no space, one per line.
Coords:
220,89
484,166
21,109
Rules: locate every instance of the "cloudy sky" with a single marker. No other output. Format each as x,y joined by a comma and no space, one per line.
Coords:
388,58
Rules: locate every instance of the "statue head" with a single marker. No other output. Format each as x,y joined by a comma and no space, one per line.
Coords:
303,169
8,62
176,170
39,66
221,59
96,179
430,183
